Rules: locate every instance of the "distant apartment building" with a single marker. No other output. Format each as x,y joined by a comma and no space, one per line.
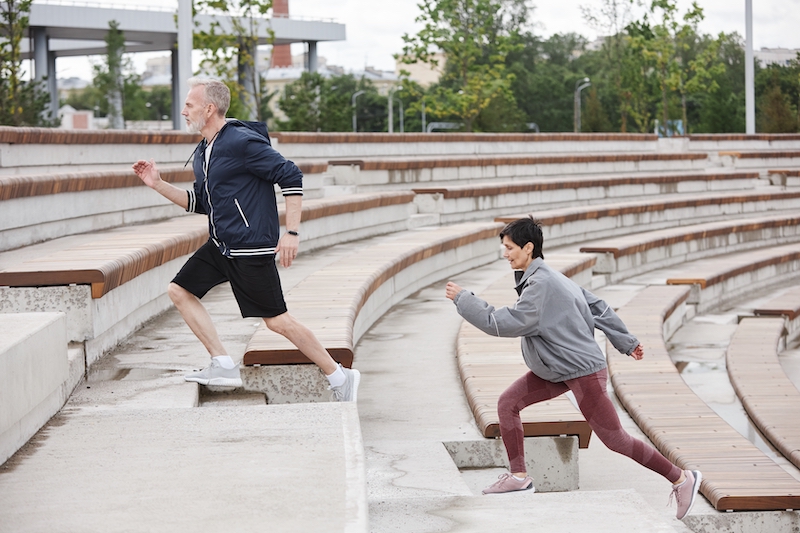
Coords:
776,56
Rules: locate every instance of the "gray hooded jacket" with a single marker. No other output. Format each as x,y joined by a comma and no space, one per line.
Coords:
556,319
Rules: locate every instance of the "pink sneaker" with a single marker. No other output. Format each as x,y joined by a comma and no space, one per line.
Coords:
508,483
686,493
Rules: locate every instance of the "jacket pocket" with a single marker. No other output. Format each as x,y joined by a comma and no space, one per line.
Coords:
239,207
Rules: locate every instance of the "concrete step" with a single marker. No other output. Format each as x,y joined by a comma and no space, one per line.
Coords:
202,469
555,512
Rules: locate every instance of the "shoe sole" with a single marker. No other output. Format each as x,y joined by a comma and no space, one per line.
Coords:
698,478
356,381
216,382
529,487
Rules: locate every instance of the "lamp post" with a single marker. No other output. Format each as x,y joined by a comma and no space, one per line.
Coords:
579,86
355,121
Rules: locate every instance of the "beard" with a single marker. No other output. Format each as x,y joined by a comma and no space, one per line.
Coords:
195,126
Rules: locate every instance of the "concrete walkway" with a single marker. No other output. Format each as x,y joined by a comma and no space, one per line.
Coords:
130,452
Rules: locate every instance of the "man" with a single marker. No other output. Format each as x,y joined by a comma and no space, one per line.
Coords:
556,319
235,171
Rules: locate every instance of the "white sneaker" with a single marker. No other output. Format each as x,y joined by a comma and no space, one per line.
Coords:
347,391
216,376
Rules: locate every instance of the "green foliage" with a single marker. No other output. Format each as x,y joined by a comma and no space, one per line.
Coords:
475,36
501,77
22,102
777,112
594,119
316,103
232,56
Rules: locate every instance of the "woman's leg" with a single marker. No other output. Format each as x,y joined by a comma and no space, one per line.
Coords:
596,406
527,390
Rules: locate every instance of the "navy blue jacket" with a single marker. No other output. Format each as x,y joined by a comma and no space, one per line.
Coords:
237,190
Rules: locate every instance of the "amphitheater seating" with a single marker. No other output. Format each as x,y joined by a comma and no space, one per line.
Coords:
341,301
761,158
771,400
368,174
736,475
488,365
629,255
721,279
583,223
465,202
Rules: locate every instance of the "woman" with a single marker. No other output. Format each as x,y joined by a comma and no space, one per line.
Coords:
556,318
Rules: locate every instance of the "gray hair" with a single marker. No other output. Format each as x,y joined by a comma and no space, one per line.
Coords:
215,92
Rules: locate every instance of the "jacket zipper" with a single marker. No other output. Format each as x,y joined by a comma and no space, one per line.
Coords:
239,207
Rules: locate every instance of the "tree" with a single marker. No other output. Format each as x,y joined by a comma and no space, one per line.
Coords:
108,78
595,118
22,103
611,19
316,103
475,36
776,114
233,55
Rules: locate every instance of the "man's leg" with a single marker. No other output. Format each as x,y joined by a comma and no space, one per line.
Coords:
305,340
344,381
197,318
527,390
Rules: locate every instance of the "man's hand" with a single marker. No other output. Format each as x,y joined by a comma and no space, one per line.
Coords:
638,352
452,290
287,249
148,172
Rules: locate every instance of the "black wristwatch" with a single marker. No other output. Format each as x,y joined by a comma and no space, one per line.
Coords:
290,232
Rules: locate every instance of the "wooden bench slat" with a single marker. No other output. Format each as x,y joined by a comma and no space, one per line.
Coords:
736,474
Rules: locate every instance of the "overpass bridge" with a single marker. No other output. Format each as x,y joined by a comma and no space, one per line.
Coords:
60,29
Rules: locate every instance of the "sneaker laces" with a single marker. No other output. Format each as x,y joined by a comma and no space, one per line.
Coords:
675,494
337,392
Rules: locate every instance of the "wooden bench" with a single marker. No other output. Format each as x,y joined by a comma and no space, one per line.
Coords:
128,269
583,223
330,145
629,255
786,305
770,398
368,174
37,208
342,300
760,158
718,280
737,476
488,365
455,203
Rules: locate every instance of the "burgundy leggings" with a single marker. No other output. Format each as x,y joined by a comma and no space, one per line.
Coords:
596,406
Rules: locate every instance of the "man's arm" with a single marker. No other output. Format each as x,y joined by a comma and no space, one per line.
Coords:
289,244
148,172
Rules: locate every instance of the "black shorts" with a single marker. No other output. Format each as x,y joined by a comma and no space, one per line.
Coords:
254,280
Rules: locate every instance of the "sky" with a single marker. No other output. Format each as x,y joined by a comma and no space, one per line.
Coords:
375,35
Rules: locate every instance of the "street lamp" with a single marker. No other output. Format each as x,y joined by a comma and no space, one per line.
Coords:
579,86
355,122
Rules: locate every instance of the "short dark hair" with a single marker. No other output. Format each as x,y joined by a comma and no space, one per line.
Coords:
525,230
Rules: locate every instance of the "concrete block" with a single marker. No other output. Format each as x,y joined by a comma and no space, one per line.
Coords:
283,384
551,461
34,375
